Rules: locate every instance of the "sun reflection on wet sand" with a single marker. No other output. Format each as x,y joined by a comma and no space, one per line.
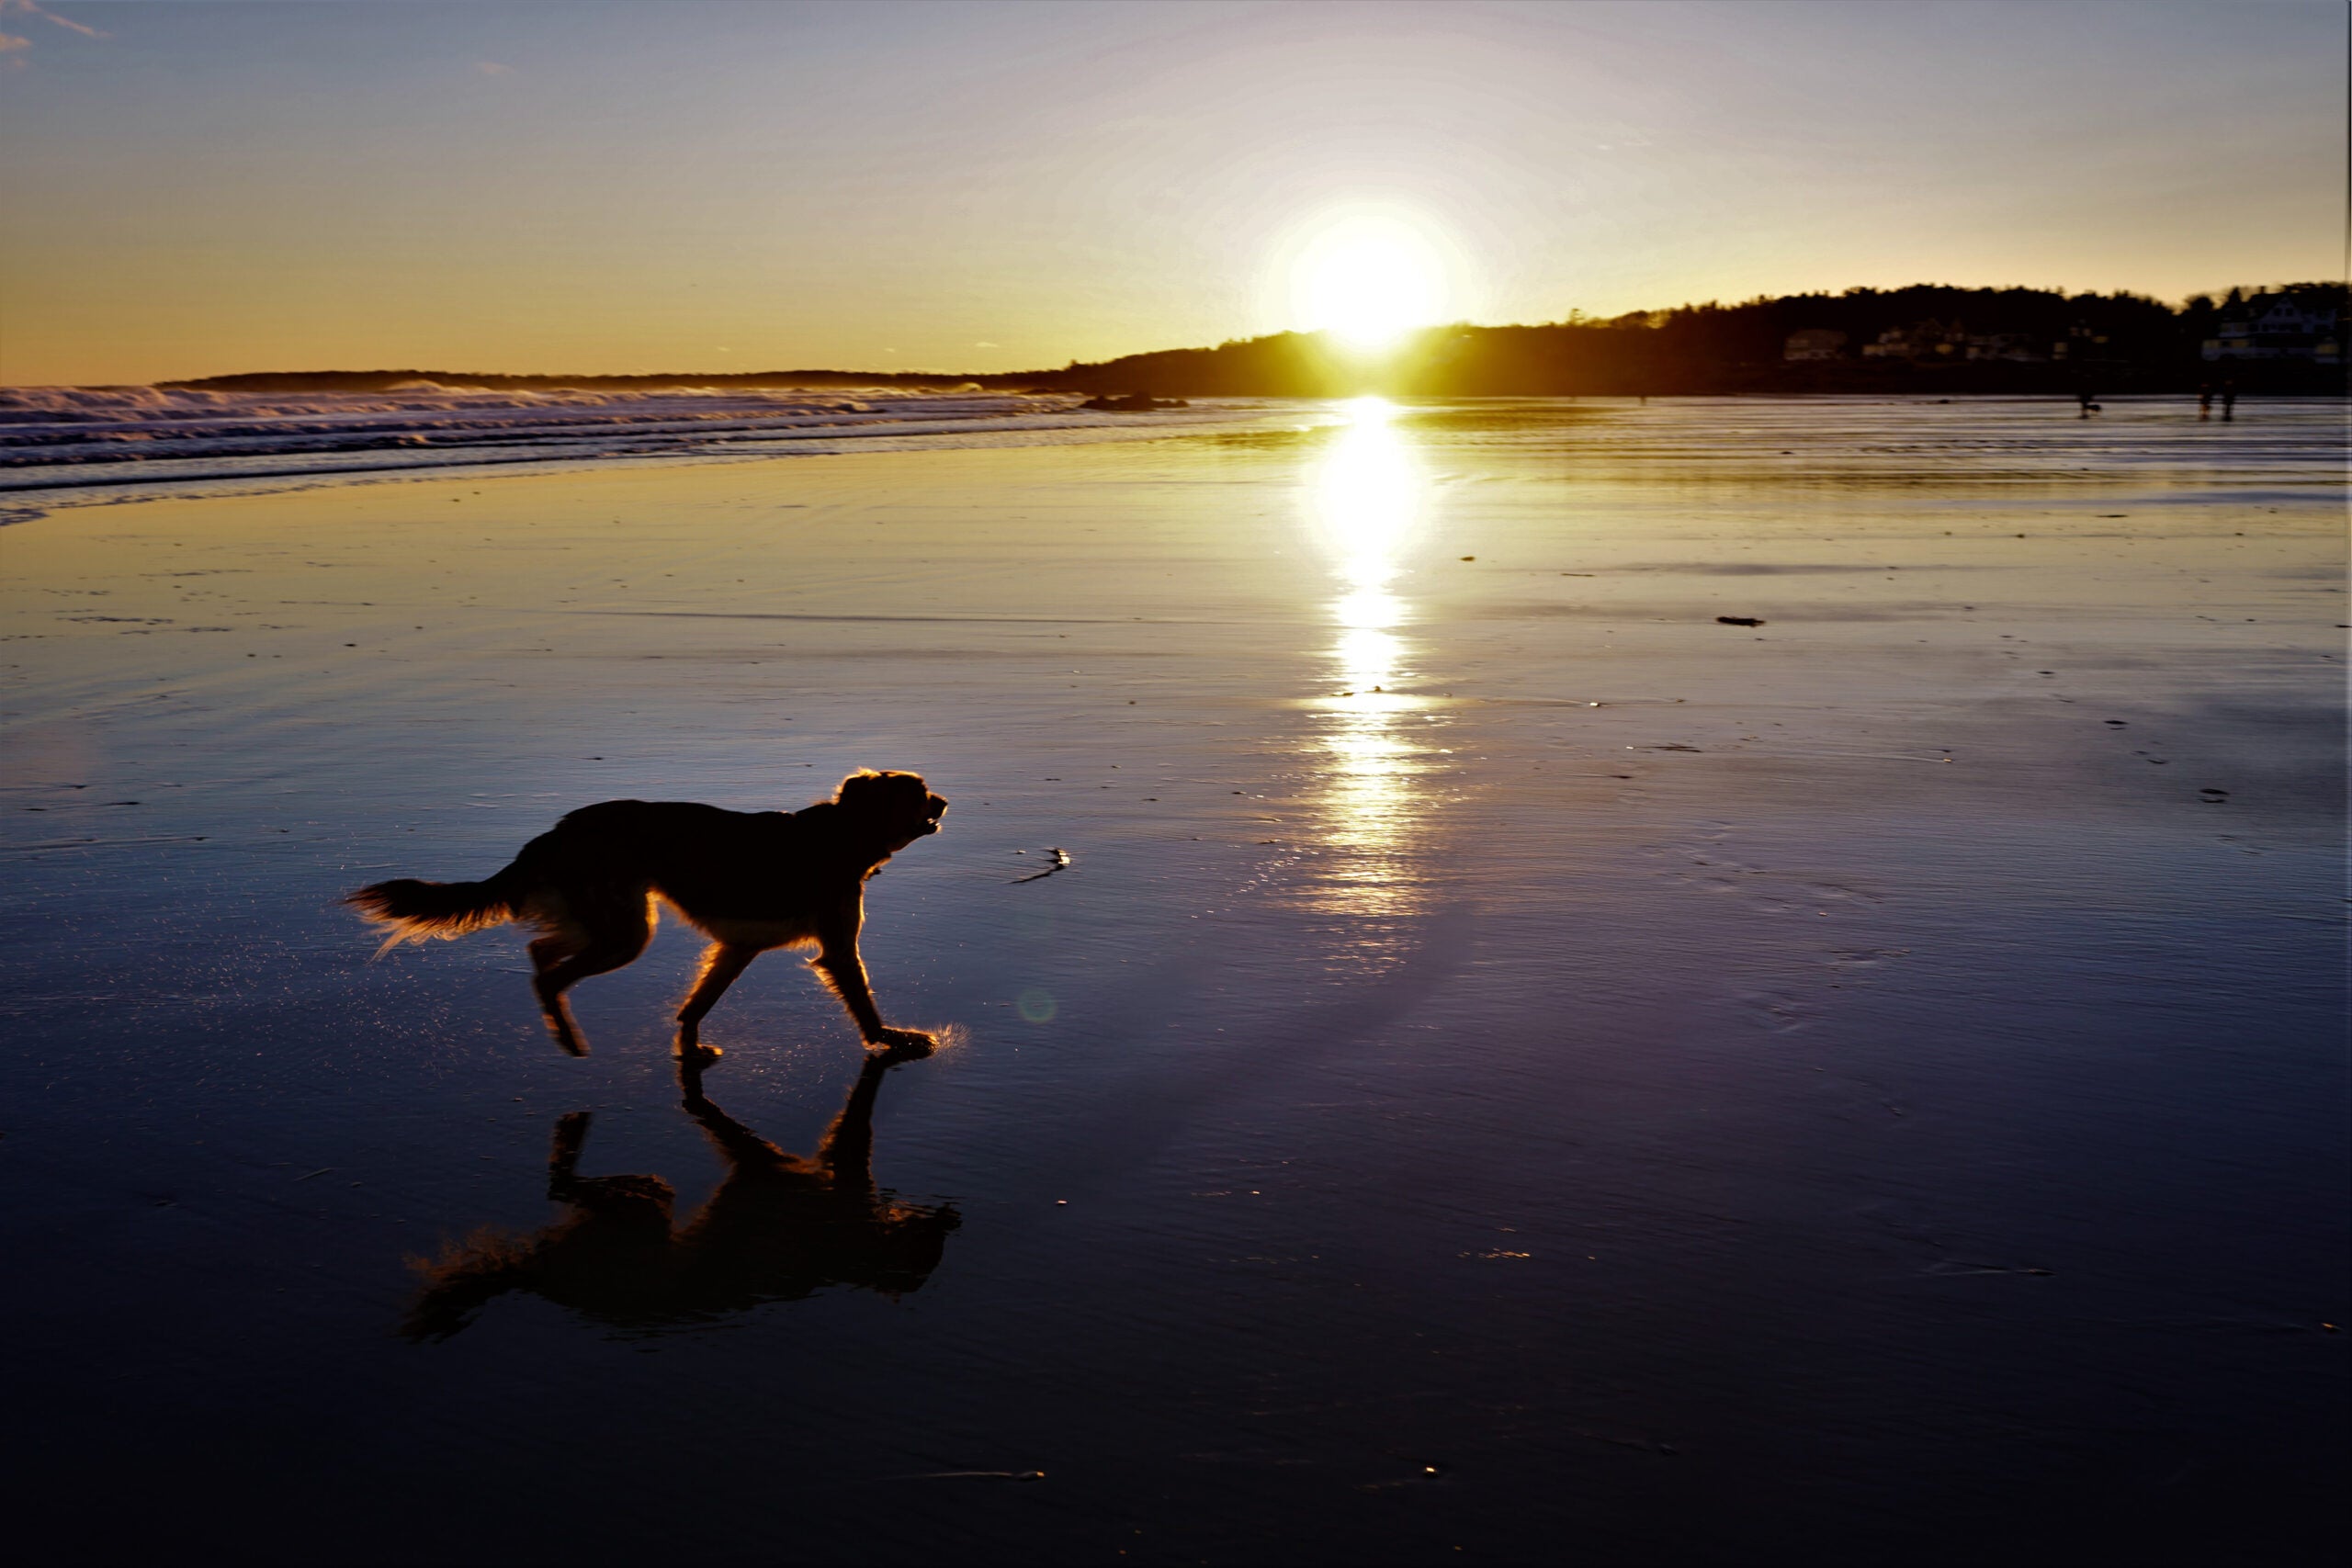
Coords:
1367,498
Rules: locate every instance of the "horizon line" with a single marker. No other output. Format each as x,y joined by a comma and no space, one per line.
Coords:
1576,317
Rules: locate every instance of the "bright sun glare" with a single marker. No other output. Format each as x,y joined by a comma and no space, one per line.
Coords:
1368,279
1368,497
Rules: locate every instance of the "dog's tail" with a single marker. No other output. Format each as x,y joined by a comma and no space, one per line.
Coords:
418,911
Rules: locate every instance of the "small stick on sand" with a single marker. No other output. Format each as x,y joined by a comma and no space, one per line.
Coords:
1062,859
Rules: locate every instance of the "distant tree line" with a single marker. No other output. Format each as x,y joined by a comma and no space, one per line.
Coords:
2031,340
2113,341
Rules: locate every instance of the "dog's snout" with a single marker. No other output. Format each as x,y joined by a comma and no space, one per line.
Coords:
934,807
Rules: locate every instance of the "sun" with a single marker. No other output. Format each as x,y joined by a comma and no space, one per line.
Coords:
1368,278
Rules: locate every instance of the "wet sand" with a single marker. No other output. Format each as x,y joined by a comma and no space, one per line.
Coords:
1515,1066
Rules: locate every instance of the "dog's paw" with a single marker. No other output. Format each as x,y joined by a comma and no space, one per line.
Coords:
905,1044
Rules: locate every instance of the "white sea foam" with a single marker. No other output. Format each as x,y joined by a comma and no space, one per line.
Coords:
22,406
54,436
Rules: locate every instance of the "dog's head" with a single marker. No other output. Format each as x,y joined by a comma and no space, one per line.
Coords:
900,807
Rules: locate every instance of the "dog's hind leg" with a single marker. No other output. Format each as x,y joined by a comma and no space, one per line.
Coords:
549,953
552,983
615,937
721,962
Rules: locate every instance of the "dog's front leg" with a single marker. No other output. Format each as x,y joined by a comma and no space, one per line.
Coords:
720,965
838,961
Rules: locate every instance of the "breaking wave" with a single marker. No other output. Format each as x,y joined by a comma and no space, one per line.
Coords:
52,437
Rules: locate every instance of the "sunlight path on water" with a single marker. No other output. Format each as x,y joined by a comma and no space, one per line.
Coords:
1370,503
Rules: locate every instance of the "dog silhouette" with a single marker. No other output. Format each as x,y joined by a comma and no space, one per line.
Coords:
748,880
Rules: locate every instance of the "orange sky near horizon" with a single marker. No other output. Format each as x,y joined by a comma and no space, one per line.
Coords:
201,188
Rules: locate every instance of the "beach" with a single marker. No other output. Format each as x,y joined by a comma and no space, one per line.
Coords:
1728,981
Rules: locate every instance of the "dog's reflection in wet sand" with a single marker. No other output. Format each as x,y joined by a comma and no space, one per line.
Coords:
780,1227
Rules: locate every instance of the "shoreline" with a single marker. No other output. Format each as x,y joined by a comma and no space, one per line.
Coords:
100,481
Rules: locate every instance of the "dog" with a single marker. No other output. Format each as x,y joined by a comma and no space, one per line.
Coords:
748,880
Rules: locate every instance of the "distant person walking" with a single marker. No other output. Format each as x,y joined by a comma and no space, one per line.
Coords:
2229,401
2204,401
2089,402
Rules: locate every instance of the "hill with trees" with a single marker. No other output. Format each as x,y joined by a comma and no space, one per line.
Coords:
1927,338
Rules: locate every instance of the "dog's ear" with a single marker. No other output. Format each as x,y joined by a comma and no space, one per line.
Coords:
866,784
900,805
885,795
859,788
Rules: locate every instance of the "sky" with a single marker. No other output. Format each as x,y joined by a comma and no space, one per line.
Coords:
192,188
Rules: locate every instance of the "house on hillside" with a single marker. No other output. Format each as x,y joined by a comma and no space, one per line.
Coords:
1928,340
2281,326
2018,348
2081,344
1815,343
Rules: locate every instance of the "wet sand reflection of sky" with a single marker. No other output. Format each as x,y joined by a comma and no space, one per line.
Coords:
1521,1024
1369,500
